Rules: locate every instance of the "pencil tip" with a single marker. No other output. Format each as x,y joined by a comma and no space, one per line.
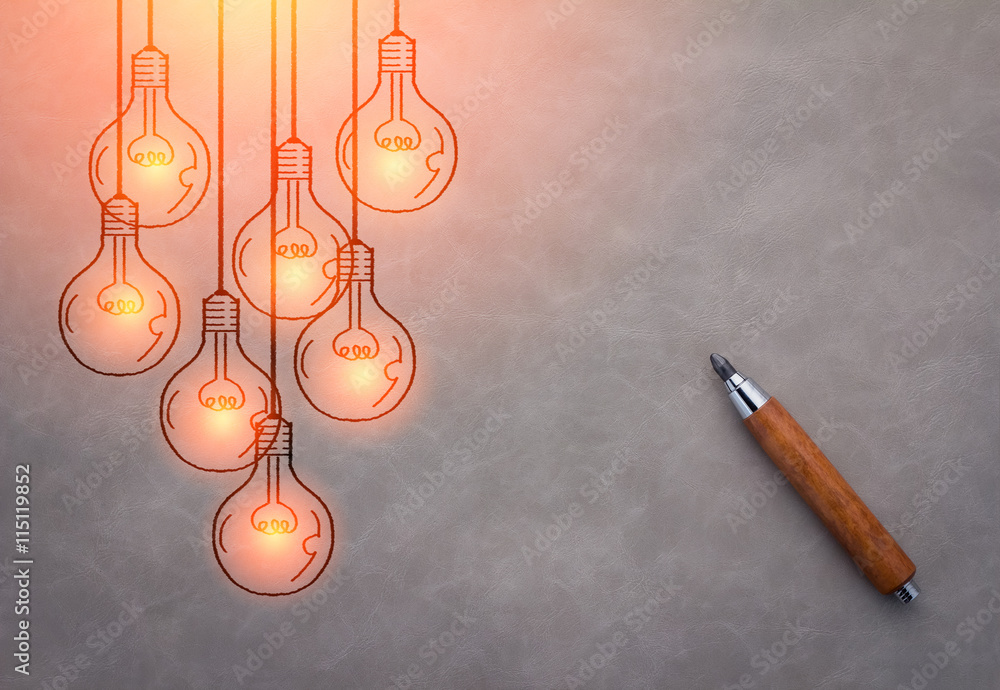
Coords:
722,367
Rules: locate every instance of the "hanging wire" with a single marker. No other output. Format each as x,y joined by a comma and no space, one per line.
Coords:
221,164
121,67
149,23
274,205
354,119
295,70
395,13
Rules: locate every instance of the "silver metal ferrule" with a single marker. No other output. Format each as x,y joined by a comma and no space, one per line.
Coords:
746,395
907,592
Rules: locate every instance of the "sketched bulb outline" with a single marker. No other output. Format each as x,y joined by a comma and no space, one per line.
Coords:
119,316
407,148
166,164
355,361
273,535
307,244
211,408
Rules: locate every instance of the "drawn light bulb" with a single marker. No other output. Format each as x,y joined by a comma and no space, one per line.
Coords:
307,244
165,166
119,316
355,361
407,150
211,408
273,535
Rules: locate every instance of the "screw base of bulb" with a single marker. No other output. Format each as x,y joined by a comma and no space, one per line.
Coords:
356,263
274,438
149,68
119,216
397,52
221,313
294,161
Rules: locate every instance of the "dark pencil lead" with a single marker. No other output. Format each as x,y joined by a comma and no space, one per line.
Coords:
722,367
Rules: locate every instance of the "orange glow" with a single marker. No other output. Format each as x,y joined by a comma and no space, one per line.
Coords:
165,164
210,408
307,242
119,316
407,149
273,535
355,361
222,424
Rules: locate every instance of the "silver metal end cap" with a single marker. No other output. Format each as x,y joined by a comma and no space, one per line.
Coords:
907,592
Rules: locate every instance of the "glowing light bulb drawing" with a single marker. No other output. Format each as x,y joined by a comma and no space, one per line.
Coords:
211,408
307,243
355,361
407,147
166,166
273,535
119,316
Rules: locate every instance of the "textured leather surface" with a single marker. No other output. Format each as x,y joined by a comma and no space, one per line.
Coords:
640,184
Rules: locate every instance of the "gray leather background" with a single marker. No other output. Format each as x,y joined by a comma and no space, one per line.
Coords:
551,353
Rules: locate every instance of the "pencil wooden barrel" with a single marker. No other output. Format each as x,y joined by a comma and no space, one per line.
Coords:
831,497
